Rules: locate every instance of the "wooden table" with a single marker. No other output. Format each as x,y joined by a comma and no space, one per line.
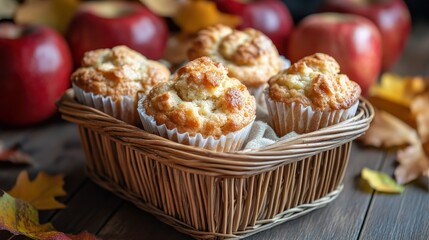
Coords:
355,214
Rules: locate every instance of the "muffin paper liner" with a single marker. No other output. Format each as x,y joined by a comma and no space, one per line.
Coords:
124,109
285,118
226,143
261,105
285,62
258,92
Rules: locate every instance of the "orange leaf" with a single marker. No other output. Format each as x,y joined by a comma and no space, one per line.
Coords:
399,89
388,131
40,192
21,218
195,15
413,162
56,14
395,93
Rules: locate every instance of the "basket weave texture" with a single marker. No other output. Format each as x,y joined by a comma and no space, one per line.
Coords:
214,195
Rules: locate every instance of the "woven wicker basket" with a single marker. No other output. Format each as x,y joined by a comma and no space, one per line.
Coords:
211,195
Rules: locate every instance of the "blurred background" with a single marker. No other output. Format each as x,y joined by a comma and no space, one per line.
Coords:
36,72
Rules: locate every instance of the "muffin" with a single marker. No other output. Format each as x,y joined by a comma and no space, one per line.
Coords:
249,55
201,106
112,80
310,95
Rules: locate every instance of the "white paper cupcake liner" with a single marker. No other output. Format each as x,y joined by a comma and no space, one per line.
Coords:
226,143
258,93
285,62
285,118
124,109
261,105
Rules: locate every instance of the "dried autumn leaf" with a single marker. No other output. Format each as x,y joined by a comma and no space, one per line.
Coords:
388,131
40,192
56,14
195,15
380,181
398,89
395,93
21,218
412,163
420,110
165,8
14,155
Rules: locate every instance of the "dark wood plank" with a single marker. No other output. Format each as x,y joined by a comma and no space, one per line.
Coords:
401,216
87,210
343,217
130,223
55,148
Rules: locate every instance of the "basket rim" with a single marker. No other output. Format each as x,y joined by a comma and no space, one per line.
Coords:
283,151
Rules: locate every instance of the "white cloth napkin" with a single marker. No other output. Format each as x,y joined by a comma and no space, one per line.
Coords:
262,135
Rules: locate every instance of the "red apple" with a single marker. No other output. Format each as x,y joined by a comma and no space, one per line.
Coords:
390,16
35,66
270,17
352,40
107,24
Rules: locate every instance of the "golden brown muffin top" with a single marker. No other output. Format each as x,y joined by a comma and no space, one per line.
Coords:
249,55
201,98
118,72
314,81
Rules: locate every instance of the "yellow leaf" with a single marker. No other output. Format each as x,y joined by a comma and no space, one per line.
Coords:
165,8
40,192
398,89
195,15
381,182
54,13
21,218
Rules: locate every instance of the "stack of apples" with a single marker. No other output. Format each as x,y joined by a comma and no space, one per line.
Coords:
271,17
36,61
364,36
